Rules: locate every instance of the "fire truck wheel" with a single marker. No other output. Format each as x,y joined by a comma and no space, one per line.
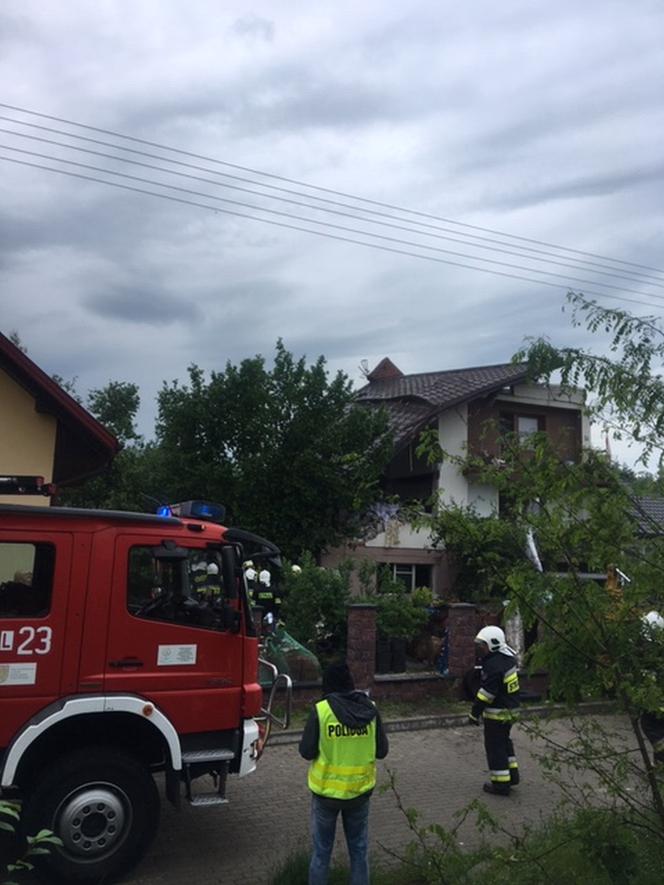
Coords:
103,804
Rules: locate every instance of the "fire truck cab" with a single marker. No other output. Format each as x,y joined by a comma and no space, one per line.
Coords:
127,647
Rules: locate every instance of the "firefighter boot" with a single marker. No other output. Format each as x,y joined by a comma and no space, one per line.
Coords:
496,789
515,778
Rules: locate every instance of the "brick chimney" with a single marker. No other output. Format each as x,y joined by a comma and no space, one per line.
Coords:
385,370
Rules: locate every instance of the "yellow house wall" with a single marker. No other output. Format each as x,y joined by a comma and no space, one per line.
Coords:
27,438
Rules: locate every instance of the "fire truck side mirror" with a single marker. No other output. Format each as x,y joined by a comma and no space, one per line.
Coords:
229,570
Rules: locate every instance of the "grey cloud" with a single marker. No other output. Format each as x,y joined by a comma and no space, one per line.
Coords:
146,306
254,26
581,186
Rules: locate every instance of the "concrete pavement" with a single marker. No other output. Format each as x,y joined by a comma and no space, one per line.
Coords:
438,771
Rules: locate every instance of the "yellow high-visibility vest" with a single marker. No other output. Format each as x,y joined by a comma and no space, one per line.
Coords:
346,763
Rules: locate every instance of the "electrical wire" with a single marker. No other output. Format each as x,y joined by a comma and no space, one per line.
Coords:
325,224
426,227
319,233
336,212
321,189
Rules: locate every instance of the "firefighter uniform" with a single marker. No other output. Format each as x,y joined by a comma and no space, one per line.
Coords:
264,594
496,704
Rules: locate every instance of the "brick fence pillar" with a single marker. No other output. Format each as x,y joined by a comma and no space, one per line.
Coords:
462,626
361,644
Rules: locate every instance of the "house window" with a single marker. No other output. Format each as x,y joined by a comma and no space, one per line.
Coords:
527,425
411,575
26,579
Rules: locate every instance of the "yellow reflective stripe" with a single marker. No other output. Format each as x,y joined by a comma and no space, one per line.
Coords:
499,715
341,786
500,778
513,764
342,770
483,695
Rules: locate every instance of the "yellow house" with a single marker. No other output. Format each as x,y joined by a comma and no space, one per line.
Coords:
43,430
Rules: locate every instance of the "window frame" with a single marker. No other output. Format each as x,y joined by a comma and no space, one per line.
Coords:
42,578
212,612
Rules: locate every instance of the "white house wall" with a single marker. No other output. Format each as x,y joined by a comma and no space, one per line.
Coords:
400,535
453,437
484,498
453,486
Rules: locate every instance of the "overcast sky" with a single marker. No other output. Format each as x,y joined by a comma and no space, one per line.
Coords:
543,120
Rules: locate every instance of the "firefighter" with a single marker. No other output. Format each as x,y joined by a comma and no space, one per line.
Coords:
264,596
496,702
652,723
342,739
199,576
213,583
250,575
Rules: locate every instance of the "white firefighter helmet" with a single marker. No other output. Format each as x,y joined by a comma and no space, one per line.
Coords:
296,570
653,620
213,569
248,563
493,637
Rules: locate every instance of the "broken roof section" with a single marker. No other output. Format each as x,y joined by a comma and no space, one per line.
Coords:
412,401
83,446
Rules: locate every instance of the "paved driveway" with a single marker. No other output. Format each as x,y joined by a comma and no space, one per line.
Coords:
438,771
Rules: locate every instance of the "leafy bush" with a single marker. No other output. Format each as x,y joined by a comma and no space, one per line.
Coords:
593,846
36,845
398,613
314,607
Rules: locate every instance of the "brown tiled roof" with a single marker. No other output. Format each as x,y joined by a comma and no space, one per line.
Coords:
413,400
649,514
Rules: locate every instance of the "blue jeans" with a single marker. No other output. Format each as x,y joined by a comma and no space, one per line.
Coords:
355,819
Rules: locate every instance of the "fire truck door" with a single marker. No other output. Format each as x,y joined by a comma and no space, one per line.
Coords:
168,637
34,587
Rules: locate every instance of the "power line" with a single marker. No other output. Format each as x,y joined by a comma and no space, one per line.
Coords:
319,233
326,224
321,189
426,227
50,141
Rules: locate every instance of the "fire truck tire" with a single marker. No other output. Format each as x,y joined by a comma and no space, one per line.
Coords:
103,804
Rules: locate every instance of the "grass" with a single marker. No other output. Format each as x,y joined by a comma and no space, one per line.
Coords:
295,871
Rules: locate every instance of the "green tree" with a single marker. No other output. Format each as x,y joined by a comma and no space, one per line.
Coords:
127,480
627,390
584,517
284,448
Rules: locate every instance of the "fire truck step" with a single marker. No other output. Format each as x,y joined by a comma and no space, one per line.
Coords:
190,757
208,799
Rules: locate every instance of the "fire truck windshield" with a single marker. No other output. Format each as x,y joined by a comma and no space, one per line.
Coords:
187,590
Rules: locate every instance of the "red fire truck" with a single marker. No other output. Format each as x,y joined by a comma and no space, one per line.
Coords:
127,648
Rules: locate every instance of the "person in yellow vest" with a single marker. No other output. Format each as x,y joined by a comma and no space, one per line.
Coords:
342,739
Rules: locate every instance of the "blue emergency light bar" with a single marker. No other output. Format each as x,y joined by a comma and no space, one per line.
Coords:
204,510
